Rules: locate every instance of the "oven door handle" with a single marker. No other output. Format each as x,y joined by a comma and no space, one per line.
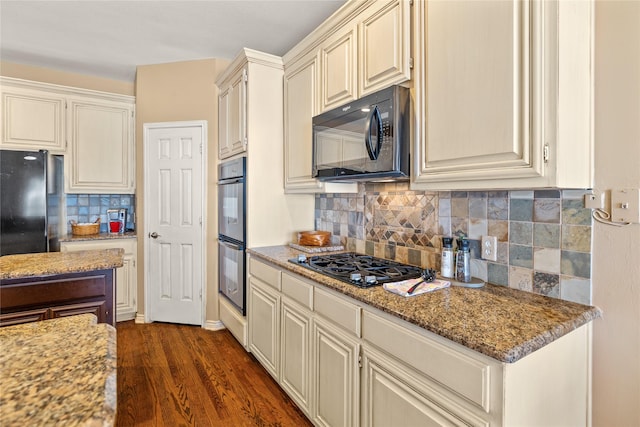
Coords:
230,181
230,245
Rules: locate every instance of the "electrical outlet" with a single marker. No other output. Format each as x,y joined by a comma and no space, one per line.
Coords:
625,205
490,248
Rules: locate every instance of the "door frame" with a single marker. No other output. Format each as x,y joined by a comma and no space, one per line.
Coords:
202,124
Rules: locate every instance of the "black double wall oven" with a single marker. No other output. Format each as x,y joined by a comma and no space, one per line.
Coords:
232,231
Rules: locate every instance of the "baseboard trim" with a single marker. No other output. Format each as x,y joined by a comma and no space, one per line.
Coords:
214,325
139,318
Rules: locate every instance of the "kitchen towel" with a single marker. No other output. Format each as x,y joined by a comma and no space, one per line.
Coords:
401,288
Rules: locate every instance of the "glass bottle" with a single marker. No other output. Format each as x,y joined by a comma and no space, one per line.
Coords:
446,264
463,261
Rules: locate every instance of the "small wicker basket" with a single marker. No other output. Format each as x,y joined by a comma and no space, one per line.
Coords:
314,238
85,228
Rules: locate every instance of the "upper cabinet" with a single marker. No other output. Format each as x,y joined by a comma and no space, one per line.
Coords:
339,59
503,94
32,117
102,155
384,46
362,48
369,52
94,130
232,126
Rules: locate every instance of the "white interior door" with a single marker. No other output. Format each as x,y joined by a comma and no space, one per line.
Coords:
174,216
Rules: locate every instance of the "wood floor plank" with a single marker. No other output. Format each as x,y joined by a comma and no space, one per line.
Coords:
179,375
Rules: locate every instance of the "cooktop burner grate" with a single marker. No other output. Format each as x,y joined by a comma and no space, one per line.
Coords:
359,270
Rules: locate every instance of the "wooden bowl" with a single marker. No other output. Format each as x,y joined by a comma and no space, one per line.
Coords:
314,238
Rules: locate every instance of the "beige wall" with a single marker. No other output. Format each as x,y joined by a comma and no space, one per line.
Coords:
48,75
180,91
615,263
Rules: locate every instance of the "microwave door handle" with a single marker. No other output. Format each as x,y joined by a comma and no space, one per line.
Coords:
374,117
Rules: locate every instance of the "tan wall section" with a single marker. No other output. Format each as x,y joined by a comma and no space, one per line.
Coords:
48,75
615,266
181,91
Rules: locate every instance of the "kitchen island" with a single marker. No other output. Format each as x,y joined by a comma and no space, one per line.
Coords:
58,372
490,356
46,285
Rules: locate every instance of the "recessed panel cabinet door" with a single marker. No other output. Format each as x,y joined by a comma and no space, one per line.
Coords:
32,120
102,149
339,61
478,117
503,94
385,47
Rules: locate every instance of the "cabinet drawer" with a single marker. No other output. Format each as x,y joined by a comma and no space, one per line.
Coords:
467,376
343,313
297,290
264,272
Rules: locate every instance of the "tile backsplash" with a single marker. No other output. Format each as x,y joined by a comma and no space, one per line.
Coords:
88,207
544,236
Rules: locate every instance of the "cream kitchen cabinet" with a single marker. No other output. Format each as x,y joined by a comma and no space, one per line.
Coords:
263,315
295,339
366,367
503,95
32,117
369,53
126,276
301,91
384,46
339,72
102,155
232,110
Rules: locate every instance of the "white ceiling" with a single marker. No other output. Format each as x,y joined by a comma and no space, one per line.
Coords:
110,38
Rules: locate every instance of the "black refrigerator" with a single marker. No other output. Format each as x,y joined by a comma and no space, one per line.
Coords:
23,201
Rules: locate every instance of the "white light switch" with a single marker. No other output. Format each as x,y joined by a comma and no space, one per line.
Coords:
625,205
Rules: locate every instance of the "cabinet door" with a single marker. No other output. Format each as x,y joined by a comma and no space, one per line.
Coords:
392,395
32,120
300,105
295,355
477,91
385,46
264,325
335,375
126,276
234,117
339,61
102,150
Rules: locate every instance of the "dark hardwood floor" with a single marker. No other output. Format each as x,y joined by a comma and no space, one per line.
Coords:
178,375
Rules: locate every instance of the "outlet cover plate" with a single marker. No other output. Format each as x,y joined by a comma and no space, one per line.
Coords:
625,205
489,248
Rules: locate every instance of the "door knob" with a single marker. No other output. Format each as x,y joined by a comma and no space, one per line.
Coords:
154,235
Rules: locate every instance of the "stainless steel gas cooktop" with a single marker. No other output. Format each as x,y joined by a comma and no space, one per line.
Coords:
357,269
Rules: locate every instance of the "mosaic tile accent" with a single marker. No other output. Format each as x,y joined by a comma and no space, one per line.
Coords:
544,236
88,207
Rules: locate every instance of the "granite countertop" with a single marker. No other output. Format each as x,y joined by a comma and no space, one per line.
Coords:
58,372
100,236
50,263
503,323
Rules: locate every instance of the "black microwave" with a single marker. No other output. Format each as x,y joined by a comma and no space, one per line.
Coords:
364,140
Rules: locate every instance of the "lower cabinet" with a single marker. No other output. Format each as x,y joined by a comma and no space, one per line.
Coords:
40,298
335,376
126,276
345,363
295,348
264,325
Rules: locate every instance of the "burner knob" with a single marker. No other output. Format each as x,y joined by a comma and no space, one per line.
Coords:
370,280
302,258
356,277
